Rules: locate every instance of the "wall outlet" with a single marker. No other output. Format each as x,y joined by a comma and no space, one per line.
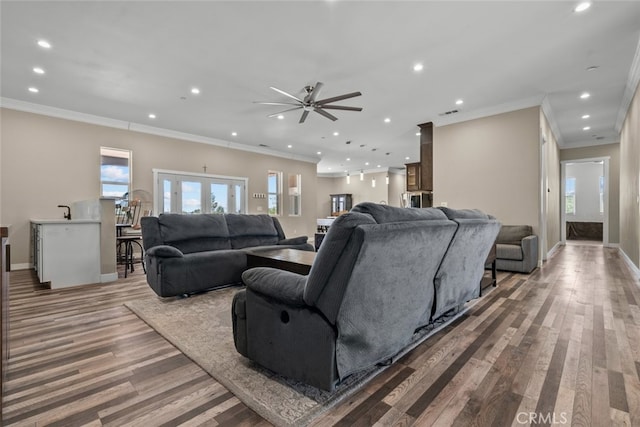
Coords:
444,204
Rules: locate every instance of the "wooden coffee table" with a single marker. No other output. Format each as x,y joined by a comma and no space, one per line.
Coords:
293,260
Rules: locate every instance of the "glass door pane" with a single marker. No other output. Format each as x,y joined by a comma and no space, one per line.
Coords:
191,200
238,198
219,198
166,195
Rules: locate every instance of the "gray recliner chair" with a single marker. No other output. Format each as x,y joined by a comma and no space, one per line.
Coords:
516,249
370,287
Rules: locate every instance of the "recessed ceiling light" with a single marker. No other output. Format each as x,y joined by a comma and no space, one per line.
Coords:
329,168
195,90
592,68
33,90
418,134
379,166
38,70
459,102
418,67
366,163
152,116
289,146
319,152
348,159
45,44
336,133
387,120
280,117
585,95
234,133
586,116
582,6
586,128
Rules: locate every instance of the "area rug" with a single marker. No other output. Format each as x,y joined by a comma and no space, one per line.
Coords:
200,327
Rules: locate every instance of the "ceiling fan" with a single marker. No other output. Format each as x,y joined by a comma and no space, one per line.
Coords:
311,103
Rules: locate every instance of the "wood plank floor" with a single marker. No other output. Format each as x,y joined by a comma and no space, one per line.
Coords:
558,347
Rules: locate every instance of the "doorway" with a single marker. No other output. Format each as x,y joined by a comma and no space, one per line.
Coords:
585,201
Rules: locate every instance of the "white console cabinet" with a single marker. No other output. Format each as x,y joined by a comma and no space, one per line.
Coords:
66,253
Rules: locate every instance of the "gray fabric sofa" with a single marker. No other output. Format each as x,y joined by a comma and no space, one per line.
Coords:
380,274
516,249
185,254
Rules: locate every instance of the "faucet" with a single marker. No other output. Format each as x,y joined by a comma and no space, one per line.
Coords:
67,215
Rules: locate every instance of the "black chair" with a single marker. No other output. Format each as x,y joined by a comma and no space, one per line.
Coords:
128,234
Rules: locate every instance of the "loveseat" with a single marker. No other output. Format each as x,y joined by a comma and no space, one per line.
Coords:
516,249
185,254
380,274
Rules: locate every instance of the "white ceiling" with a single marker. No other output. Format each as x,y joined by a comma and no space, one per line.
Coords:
124,60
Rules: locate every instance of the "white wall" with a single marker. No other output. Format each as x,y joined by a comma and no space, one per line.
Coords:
587,204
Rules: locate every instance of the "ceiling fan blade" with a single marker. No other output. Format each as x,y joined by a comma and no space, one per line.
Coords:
275,103
315,92
342,107
286,94
305,113
290,109
338,98
324,113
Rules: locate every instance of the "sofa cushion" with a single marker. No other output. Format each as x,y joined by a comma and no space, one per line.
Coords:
300,240
513,234
384,213
251,230
195,233
505,251
464,213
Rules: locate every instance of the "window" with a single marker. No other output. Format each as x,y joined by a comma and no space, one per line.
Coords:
602,194
570,196
115,172
274,190
295,194
185,193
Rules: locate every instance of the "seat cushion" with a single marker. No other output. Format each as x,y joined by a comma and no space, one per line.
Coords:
504,251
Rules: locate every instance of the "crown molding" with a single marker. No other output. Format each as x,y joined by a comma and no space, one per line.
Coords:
45,110
551,120
507,107
630,89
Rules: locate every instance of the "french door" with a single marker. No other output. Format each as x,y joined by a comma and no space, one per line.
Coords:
181,192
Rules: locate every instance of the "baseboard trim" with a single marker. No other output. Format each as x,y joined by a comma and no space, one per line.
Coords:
552,251
109,277
634,269
22,266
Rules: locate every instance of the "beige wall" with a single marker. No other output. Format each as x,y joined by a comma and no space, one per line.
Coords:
600,151
492,164
550,187
629,186
361,191
48,161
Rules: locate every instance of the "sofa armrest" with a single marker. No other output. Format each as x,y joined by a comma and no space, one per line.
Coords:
530,252
300,240
283,286
165,251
